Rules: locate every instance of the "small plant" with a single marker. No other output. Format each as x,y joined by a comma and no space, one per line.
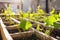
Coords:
25,25
33,16
38,27
51,21
47,32
53,11
8,13
39,13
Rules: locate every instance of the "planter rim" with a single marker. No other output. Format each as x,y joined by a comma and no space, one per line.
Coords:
4,32
41,33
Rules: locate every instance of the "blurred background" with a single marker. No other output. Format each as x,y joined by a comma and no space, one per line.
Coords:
17,5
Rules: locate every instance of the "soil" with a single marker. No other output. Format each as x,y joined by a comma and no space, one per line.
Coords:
56,33
18,19
44,29
8,24
15,30
2,16
32,37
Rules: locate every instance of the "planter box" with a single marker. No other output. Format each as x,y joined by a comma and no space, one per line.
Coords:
9,22
4,32
15,36
55,33
10,36
42,35
0,34
22,35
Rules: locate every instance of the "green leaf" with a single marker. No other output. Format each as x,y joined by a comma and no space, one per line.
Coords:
40,11
47,32
38,27
56,25
53,10
25,25
25,15
51,20
56,16
31,16
45,19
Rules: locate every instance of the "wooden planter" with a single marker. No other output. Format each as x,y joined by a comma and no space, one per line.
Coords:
4,32
0,34
10,36
20,34
7,36
40,34
44,36
56,33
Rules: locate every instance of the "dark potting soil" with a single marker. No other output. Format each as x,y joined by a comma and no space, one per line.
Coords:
8,24
41,21
32,37
55,33
18,19
12,31
15,30
44,29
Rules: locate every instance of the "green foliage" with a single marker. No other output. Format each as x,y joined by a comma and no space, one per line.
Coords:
31,16
40,11
25,15
56,25
50,20
38,27
53,11
56,16
25,25
47,32
8,13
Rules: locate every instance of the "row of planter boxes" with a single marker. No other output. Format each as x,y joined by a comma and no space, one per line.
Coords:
10,32
55,32
44,27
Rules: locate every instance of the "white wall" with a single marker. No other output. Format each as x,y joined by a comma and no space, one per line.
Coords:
26,4
13,6
9,1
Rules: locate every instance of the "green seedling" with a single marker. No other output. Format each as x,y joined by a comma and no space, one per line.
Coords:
25,25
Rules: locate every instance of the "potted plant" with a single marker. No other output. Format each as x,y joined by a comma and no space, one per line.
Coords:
23,29
41,33
52,22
